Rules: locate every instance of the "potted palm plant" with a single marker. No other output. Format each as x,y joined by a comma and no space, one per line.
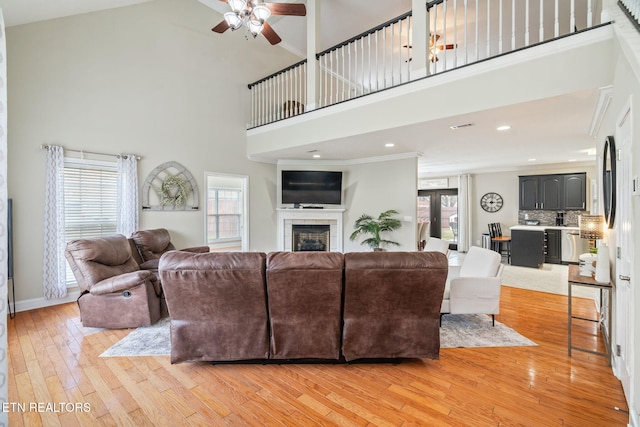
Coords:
369,225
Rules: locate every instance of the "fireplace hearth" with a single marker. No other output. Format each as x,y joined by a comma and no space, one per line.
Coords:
307,237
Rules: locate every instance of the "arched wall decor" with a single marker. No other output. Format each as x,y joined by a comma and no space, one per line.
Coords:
170,187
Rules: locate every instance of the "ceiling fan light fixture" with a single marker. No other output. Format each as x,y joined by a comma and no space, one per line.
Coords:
255,27
233,19
261,12
237,6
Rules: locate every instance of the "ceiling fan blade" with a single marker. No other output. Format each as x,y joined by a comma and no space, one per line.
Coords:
270,34
221,27
291,9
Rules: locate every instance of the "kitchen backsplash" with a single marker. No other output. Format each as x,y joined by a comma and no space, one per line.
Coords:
549,217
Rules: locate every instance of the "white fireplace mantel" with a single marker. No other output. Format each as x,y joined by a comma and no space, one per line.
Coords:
292,216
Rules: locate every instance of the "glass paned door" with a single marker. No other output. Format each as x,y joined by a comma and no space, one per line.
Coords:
438,209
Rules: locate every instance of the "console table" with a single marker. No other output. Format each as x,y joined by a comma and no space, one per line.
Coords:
604,316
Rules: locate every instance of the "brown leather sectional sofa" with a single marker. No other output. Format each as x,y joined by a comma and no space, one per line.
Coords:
303,305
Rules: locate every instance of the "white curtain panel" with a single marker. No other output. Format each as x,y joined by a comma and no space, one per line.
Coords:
54,280
464,213
4,370
127,195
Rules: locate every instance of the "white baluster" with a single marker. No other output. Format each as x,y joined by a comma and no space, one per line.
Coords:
392,52
408,38
466,44
488,28
541,34
589,14
513,24
331,77
500,27
343,74
444,34
477,30
362,63
455,34
384,57
556,24
526,23
572,20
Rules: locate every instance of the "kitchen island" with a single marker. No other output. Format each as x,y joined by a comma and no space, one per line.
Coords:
533,245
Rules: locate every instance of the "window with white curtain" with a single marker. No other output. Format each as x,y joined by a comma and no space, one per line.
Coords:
90,200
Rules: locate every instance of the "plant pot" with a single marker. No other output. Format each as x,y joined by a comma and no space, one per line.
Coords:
379,249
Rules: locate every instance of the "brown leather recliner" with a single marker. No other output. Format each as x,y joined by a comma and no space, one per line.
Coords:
115,293
217,304
392,304
151,244
304,292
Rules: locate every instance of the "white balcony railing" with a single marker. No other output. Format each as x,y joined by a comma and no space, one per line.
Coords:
461,32
632,8
369,62
280,95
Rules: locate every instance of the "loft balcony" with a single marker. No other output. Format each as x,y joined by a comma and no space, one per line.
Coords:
475,55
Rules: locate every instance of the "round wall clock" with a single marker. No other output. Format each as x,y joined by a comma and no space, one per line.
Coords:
491,202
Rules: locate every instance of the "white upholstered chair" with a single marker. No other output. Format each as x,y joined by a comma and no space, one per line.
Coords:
474,286
437,245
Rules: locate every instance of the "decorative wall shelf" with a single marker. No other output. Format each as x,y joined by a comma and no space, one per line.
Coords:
170,187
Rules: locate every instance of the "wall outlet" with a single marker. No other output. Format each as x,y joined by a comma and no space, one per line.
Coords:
408,218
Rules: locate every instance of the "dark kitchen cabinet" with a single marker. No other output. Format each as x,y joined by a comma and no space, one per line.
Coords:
575,191
527,248
529,193
552,246
553,192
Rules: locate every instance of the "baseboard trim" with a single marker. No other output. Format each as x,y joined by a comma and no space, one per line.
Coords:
32,304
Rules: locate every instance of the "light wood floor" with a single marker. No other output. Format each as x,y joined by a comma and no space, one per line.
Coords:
54,359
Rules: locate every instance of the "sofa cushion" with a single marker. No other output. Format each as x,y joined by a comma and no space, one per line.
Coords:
152,243
93,260
217,304
480,262
392,304
304,292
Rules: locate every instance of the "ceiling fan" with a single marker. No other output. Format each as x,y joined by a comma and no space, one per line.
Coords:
433,48
254,14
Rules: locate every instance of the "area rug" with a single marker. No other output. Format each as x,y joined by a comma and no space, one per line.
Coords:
475,330
458,330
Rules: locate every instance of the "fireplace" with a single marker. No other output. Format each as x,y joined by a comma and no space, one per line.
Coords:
313,237
288,218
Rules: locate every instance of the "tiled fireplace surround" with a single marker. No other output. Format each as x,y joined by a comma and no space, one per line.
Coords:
288,217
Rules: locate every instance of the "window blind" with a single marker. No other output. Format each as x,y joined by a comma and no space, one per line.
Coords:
90,201
223,214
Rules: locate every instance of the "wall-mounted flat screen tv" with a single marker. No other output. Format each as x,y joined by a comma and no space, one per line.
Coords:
311,187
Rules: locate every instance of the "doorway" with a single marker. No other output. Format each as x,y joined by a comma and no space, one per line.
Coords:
438,209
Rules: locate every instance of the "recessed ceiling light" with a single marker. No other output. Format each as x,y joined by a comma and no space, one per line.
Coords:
389,144
316,156
531,160
571,160
504,127
465,125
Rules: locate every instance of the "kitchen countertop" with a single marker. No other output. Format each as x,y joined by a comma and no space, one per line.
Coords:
542,227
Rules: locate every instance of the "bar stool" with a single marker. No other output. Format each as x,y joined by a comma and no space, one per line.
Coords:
497,240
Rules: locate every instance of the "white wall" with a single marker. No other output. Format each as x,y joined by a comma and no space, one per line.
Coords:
626,87
150,79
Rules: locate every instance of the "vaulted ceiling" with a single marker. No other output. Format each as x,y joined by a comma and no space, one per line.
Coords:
552,131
